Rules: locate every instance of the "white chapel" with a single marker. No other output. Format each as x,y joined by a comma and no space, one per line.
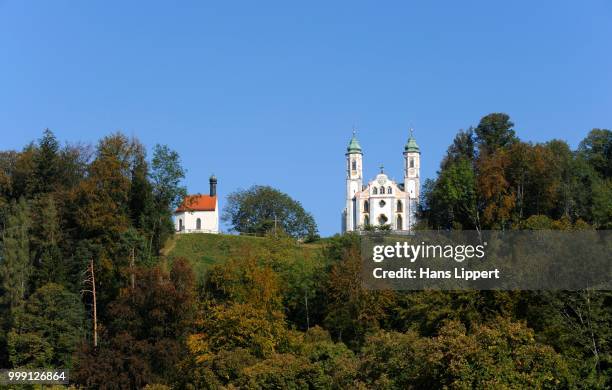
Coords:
381,201
199,213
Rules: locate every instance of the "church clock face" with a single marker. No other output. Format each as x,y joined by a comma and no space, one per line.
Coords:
411,171
381,180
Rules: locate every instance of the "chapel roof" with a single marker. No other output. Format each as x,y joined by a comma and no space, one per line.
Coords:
198,203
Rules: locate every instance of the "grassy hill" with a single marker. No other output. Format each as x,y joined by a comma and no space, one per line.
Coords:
204,250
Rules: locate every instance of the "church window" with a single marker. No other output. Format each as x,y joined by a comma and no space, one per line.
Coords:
400,222
411,162
354,165
180,225
374,191
382,219
198,224
400,206
389,190
366,207
366,220
382,203
382,190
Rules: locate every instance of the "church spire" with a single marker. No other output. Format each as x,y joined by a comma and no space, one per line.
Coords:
411,144
354,146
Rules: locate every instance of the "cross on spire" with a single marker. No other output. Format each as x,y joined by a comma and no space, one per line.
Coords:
411,132
382,168
354,130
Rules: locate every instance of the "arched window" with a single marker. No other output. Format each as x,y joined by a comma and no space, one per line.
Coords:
389,190
366,220
374,191
198,224
400,206
400,222
411,162
366,207
382,190
180,225
354,165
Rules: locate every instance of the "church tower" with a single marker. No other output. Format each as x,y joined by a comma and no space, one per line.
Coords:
412,173
354,182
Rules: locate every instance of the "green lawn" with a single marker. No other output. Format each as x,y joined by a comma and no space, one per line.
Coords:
204,250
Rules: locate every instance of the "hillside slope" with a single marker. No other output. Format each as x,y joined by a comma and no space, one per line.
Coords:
204,250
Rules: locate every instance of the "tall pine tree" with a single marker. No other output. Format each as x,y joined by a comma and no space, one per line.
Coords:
15,264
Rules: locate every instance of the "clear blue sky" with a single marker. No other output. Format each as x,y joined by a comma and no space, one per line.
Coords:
267,92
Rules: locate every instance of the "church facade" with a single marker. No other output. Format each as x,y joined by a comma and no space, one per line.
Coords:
199,213
381,201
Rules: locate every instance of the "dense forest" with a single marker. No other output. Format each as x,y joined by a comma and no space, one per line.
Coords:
276,312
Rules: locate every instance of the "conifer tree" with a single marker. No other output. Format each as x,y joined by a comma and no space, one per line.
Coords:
46,163
46,236
15,264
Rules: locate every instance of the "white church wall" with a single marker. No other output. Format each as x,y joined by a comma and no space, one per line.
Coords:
209,222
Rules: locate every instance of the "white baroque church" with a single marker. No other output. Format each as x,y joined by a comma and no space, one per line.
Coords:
381,201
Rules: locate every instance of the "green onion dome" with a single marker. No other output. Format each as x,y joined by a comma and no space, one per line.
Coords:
354,146
411,145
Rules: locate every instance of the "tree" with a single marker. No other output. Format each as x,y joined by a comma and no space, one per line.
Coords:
22,172
494,131
15,263
451,200
577,323
48,329
503,354
101,204
166,175
462,148
353,311
596,149
145,334
237,325
141,194
46,164
46,237
494,190
456,192
262,208
245,280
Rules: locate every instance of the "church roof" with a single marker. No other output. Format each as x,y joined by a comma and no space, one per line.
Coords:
198,203
411,145
354,146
